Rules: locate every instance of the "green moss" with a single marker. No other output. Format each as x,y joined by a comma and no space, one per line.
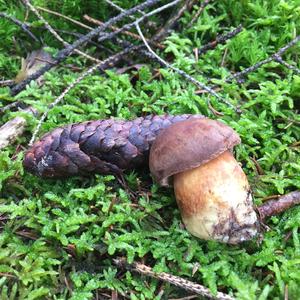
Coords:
59,237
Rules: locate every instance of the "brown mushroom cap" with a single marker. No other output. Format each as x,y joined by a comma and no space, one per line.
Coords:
189,144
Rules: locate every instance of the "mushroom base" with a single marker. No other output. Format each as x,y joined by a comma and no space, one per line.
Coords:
216,202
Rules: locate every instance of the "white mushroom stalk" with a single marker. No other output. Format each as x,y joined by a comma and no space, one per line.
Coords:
215,201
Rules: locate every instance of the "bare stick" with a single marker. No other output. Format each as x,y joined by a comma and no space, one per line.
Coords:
220,39
109,62
249,70
279,59
180,72
64,17
8,82
12,129
130,25
199,12
68,50
275,207
114,28
265,61
54,33
9,106
185,298
117,7
175,280
19,23
79,35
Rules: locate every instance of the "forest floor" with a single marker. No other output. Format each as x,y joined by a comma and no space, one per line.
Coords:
59,237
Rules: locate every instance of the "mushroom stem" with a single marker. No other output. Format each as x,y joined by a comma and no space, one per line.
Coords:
275,207
215,201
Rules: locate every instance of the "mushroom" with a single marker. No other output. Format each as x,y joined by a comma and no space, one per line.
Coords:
211,189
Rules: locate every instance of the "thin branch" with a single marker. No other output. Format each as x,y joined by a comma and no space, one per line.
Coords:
114,28
64,17
3,274
265,61
120,9
281,204
180,72
12,129
141,49
109,62
186,298
9,106
220,39
249,70
79,35
292,43
23,26
54,33
130,25
279,59
175,280
224,57
8,82
62,54
117,7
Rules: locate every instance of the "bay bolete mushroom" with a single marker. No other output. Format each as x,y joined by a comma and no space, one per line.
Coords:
211,189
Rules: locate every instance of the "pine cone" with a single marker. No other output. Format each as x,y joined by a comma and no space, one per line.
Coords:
105,146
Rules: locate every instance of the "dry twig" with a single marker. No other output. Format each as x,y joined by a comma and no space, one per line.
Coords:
79,35
220,39
8,82
185,298
130,25
274,57
9,106
24,26
275,207
114,28
64,17
279,59
115,6
169,24
13,129
175,280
